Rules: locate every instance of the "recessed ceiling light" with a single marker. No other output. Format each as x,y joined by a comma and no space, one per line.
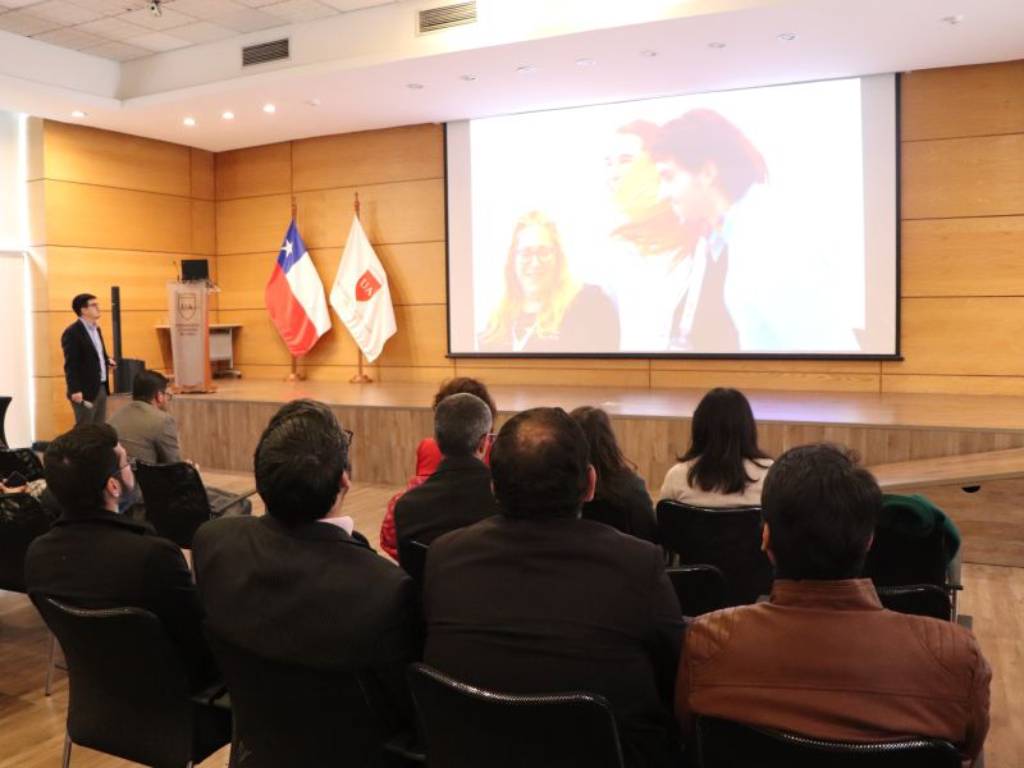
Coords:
585,62
526,69
227,114
189,122
648,53
787,36
716,45
414,86
313,102
269,109
953,20
77,113
468,78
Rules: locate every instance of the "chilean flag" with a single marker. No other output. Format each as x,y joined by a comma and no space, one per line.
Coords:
295,296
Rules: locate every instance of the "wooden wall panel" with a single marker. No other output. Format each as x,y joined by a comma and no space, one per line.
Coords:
203,237
952,178
562,377
203,181
93,156
243,279
264,170
964,257
252,225
963,101
767,366
776,380
1010,386
422,337
416,271
258,342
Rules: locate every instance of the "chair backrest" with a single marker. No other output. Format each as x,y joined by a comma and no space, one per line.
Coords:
128,685
700,588
725,744
918,599
897,558
412,556
22,519
288,714
176,501
466,727
21,460
729,539
5,403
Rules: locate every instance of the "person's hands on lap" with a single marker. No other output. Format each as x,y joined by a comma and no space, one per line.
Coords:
76,397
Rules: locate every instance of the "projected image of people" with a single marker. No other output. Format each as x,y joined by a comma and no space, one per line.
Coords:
544,307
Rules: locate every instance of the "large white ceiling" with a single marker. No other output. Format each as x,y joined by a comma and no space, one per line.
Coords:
357,66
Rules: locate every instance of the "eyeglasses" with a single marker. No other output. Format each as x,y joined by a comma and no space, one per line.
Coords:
130,464
349,434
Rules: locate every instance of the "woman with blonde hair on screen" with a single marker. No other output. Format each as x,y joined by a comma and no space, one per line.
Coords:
544,308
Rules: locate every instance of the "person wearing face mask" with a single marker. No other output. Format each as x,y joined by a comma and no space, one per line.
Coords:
544,308
95,558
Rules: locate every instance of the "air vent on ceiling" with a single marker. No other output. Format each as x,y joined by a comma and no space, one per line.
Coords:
275,50
445,16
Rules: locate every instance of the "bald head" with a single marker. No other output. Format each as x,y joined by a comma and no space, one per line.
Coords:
540,465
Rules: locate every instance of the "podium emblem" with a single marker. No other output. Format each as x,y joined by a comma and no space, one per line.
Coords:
187,306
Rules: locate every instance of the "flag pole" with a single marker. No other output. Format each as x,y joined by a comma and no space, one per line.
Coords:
294,375
361,377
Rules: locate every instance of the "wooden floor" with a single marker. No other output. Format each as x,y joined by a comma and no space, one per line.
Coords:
32,725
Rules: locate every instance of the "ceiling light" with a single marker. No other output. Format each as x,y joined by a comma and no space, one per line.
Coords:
77,113
526,69
227,114
155,9
648,53
716,45
585,62
953,20
189,122
414,86
269,109
787,36
468,78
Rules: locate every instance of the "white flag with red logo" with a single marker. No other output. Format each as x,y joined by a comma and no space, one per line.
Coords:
361,296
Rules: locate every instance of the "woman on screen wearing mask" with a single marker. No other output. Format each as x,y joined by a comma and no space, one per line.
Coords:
544,309
673,299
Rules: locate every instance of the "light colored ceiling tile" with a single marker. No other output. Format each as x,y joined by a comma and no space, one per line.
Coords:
356,5
203,32
247,20
159,41
112,29
297,11
168,19
207,9
257,3
118,51
24,23
111,7
68,14
9,4
70,37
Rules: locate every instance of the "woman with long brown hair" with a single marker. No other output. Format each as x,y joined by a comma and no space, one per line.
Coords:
544,308
620,498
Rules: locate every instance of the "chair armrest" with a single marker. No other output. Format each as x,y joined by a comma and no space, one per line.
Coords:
231,501
214,695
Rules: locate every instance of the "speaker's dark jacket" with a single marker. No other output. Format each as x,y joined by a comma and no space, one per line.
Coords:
81,366
104,560
553,605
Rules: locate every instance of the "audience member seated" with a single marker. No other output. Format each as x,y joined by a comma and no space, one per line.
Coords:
291,585
723,466
148,432
538,600
428,455
620,499
94,558
459,492
822,658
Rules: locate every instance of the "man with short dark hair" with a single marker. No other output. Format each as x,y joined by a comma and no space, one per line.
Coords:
537,600
95,558
294,585
459,492
823,658
86,364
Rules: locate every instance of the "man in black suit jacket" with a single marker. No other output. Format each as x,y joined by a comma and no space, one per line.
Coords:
87,368
537,600
295,586
95,558
459,492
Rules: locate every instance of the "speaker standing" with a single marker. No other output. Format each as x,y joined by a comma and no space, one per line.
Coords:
86,363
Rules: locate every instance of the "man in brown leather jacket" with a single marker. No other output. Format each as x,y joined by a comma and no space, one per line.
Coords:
823,658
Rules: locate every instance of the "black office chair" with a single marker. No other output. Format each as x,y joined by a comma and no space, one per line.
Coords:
917,599
466,727
726,744
22,461
412,556
176,500
22,519
129,692
5,403
700,588
899,559
729,539
289,714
